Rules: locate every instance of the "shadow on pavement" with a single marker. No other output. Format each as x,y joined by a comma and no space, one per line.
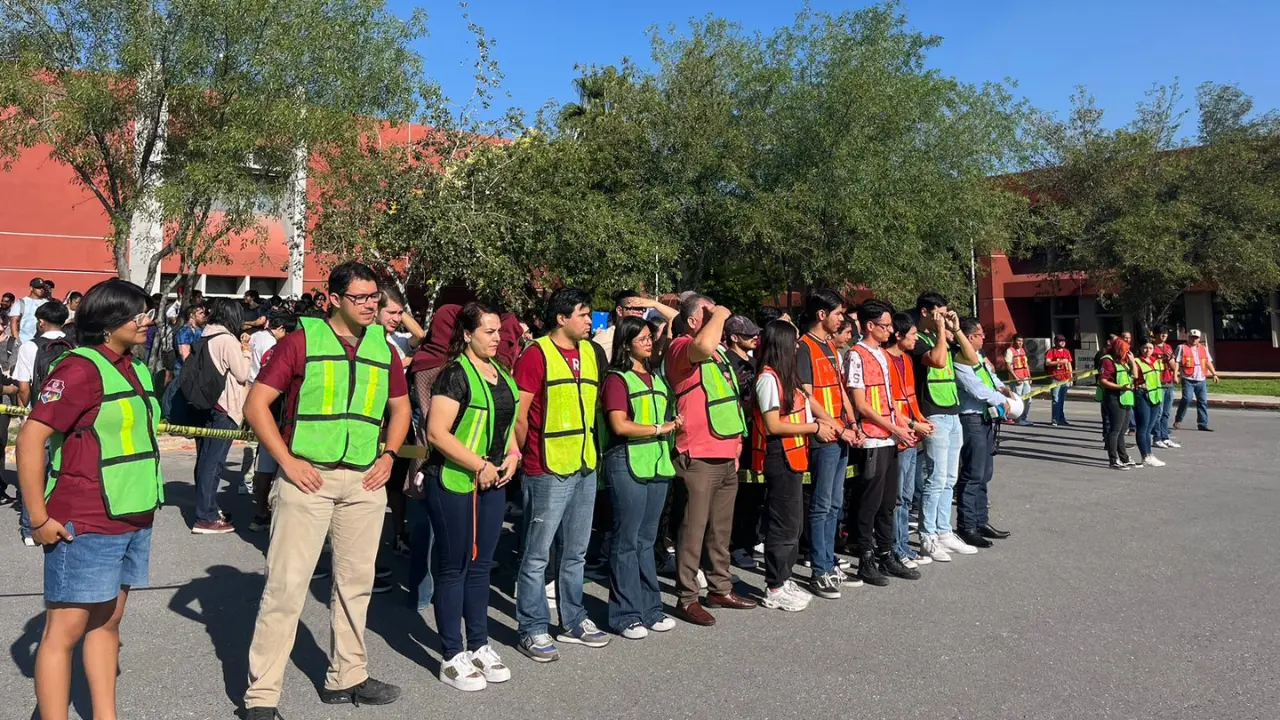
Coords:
23,652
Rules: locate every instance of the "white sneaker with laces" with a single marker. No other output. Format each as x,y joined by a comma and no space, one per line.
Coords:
458,672
1170,443
908,562
1153,461
486,660
666,624
952,542
635,631
791,587
921,560
780,599
931,548
1159,444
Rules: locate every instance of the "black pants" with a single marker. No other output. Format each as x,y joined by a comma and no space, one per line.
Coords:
875,498
785,510
1117,424
4,444
976,467
747,508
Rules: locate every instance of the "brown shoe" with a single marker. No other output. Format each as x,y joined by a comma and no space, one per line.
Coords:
731,601
217,527
696,614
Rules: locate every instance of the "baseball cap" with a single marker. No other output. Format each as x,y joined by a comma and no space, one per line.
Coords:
1196,333
37,283
741,326
1059,338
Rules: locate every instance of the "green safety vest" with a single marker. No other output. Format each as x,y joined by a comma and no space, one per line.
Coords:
341,403
569,409
984,373
941,382
724,411
1123,379
476,427
1151,381
125,428
648,457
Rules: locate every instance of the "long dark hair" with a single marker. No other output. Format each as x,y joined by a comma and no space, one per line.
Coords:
624,333
467,321
227,313
107,306
777,350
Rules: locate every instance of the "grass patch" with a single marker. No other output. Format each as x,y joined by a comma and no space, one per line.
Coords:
1233,386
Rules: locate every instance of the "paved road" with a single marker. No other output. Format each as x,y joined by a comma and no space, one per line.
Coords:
1148,594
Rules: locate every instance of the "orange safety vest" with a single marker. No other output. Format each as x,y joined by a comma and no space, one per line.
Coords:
795,448
903,386
827,378
1021,370
879,396
1191,356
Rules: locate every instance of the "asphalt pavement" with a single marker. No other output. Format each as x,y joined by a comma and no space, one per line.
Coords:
1146,594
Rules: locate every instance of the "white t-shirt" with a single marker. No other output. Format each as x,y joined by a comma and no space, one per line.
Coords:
259,343
1202,351
853,371
25,308
767,397
25,368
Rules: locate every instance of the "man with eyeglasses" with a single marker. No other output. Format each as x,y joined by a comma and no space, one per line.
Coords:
335,374
629,303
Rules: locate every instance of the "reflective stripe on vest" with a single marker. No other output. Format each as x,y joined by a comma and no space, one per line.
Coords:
1151,380
648,457
719,385
1191,356
569,409
795,448
1123,378
341,403
827,378
941,382
903,386
1021,370
476,427
876,386
125,428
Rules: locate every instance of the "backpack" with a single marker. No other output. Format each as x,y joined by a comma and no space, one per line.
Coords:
200,382
48,350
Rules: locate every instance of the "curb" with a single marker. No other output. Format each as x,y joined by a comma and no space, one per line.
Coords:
1218,402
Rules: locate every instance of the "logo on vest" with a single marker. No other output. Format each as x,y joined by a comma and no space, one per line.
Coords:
52,391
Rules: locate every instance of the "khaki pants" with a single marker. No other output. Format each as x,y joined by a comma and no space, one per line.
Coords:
352,517
711,488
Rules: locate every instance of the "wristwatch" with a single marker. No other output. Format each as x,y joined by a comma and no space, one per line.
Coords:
394,455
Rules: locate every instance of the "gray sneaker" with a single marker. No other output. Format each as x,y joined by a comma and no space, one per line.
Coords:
585,634
539,648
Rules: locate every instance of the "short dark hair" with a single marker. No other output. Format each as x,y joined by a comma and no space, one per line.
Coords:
8,296
74,295
621,295
227,313
929,300
188,310
1016,336
968,324
341,277
902,324
767,314
873,309
107,306
564,302
252,294
390,295
822,299
282,319
54,313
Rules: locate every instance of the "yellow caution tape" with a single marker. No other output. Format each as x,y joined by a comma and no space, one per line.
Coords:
1042,390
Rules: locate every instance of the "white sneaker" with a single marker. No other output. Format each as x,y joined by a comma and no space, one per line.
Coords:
486,660
931,548
908,562
780,599
666,624
758,549
1172,444
791,587
635,631
952,542
460,673
702,580
1153,461
843,564
1159,444
921,560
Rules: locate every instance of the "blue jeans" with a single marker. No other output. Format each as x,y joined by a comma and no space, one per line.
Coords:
1023,389
976,467
1161,426
554,505
939,459
1059,395
827,466
421,545
93,567
1199,389
462,584
634,593
1145,413
211,454
907,488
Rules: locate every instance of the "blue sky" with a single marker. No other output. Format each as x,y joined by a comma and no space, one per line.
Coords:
1117,48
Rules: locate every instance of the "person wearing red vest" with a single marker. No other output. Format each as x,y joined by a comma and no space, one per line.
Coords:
1019,366
875,497
1196,366
1060,363
818,364
902,376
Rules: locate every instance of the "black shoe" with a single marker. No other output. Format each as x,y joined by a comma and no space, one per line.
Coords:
987,530
369,692
1205,429
974,538
891,565
381,586
261,713
869,571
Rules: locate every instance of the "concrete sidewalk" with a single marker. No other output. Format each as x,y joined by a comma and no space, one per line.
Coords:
1247,402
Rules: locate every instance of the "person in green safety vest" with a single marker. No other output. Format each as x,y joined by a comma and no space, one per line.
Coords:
559,379
471,431
640,412
92,506
340,381
1148,400
1115,392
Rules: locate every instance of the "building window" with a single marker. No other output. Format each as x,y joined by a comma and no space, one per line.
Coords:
266,287
1249,320
222,285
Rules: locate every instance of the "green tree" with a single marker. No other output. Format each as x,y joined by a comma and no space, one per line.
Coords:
1147,214
193,115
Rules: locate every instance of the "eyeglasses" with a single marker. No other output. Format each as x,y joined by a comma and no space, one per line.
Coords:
882,326
645,340
633,309
144,318
364,299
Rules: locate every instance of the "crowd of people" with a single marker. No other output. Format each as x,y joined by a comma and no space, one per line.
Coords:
682,438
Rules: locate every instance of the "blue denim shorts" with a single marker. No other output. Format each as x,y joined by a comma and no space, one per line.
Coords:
92,567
